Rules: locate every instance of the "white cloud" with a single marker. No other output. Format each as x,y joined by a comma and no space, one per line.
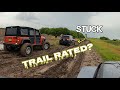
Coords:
108,19
110,22
8,18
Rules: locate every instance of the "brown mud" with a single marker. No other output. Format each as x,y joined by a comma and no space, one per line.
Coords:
11,66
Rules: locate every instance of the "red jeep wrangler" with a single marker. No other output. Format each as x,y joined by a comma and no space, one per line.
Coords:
23,39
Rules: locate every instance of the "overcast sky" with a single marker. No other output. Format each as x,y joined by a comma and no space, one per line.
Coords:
109,20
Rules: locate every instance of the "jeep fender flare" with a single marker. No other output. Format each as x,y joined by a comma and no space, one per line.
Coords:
43,41
25,41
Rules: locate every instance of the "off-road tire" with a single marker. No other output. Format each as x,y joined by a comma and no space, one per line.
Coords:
23,49
6,49
60,43
43,46
73,43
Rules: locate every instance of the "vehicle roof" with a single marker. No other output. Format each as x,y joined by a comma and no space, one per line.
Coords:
21,27
67,35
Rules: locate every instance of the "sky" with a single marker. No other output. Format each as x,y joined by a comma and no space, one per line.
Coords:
109,20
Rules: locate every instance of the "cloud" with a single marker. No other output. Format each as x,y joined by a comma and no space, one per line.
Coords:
109,20
55,19
42,19
8,18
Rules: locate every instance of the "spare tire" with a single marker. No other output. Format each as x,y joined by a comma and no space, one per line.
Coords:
26,49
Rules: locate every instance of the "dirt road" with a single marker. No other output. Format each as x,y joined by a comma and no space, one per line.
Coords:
92,58
11,66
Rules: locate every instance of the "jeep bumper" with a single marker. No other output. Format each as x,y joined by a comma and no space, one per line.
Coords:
12,46
66,42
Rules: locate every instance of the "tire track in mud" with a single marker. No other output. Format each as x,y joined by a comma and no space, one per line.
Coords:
11,66
92,58
10,63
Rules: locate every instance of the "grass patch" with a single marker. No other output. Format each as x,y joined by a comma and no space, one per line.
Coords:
113,42
108,51
52,40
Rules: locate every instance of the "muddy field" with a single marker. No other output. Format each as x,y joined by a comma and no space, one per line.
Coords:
11,66
91,58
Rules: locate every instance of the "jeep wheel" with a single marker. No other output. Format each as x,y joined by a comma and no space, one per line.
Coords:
6,48
46,46
70,44
26,49
60,43
73,43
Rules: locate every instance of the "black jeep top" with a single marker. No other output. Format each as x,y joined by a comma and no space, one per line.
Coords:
18,30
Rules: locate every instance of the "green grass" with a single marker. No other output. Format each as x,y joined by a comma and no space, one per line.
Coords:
107,50
52,40
113,42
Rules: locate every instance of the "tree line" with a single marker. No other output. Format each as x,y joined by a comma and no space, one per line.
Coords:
58,31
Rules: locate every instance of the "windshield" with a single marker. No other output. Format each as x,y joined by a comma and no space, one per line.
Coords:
109,71
65,37
11,31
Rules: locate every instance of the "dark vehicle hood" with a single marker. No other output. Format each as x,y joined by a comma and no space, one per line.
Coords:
108,69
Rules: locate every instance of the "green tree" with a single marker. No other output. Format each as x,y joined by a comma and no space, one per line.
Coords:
104,38
58,31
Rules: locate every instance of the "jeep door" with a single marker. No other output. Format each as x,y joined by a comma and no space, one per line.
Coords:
32,35
37,35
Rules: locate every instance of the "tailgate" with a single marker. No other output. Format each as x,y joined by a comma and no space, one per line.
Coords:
10,39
